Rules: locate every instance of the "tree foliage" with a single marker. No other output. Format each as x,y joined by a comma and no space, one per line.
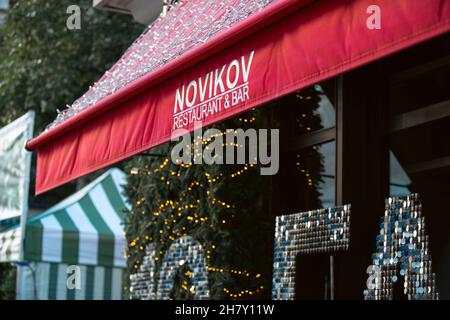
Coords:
7,282
225,211
44,66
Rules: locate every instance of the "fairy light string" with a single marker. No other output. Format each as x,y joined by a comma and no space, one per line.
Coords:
171,213
192,205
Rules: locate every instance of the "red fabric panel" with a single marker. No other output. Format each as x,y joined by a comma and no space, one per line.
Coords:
317,42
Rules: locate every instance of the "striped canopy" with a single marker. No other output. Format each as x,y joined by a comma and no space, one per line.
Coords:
47,281
84,229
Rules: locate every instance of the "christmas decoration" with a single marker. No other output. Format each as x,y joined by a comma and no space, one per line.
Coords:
183,265
159,44
402,244
224,208
231,224
324,230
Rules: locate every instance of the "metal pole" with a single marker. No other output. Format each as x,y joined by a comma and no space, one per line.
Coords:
339,201
33,273
24,216
332,277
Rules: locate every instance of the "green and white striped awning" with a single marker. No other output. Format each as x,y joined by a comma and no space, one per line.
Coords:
84,229
48,281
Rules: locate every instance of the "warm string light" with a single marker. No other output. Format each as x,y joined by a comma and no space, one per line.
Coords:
183,165
242,171
168,203
242,293
194,184
146,172
139,202
203,141
300,123
195,218
247,120
175,204
182,209
305,172
221,203
211,178
133,243
301,97
184,286
233,271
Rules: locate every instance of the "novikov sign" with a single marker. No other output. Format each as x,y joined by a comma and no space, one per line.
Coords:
212,93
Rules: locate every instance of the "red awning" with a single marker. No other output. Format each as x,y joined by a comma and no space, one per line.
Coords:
285,46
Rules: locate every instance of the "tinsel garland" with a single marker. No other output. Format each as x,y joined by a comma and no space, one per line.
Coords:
186,25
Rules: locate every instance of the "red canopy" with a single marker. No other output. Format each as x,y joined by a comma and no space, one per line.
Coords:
286,46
